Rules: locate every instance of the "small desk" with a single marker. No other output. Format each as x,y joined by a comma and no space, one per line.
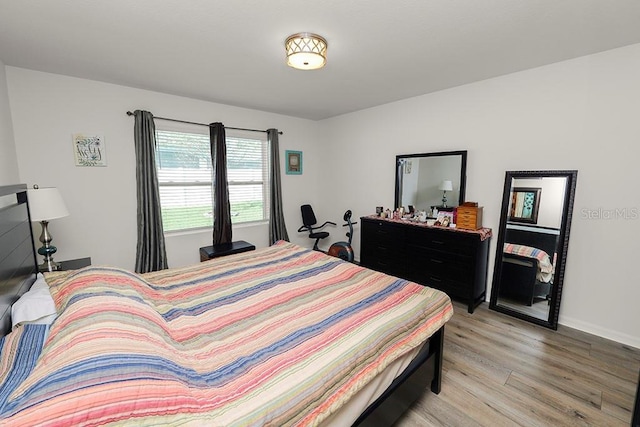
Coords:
215,251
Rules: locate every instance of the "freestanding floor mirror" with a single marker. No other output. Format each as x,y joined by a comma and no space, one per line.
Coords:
532,246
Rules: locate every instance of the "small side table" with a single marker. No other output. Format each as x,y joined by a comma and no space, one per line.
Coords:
222,249
75,264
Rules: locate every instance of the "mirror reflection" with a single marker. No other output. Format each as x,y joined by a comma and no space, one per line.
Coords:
532,241
428,180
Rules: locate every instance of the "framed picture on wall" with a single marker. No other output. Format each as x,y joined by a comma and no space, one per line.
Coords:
294,162
89,150
525,203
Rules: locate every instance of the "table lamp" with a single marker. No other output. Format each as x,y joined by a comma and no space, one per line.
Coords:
445,186
46,204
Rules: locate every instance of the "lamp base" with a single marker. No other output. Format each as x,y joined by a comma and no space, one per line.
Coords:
47,250
50,265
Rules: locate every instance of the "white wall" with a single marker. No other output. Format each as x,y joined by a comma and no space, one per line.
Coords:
580,114
8,162
47,109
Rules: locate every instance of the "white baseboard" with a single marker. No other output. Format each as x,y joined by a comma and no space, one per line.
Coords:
600,331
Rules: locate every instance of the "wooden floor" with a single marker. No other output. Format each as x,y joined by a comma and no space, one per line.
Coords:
500,371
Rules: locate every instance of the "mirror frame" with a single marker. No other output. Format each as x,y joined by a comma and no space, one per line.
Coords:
463,171
563,244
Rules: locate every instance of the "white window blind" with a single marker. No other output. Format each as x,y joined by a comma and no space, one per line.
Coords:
185,179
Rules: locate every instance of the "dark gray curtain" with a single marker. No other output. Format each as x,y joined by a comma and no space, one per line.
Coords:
221,208
277,227
151,254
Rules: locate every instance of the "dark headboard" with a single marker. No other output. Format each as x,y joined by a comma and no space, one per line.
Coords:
536,237
18,263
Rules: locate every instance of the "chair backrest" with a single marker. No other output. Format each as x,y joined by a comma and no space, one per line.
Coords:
308,217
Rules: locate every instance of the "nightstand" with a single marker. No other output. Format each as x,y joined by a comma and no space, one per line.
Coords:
75,264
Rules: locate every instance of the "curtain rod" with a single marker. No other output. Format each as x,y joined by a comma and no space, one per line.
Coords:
129,113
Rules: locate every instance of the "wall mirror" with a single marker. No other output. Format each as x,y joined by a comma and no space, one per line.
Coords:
431,180
533,239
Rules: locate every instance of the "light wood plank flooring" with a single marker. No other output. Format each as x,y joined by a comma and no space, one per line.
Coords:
500,371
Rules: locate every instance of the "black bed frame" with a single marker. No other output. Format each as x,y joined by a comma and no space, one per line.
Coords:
18,269
519,281
426,368
518,278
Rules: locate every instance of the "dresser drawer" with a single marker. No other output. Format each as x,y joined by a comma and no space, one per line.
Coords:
442,240
450,287
380,231
383,257
442,264
381,250
391,266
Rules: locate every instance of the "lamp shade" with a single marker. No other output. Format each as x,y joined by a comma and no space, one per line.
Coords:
46,204
446,186
306,51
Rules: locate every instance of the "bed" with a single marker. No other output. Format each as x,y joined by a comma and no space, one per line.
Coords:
528,263
279,336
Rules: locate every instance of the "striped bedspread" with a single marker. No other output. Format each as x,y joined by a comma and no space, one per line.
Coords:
545,266
278,336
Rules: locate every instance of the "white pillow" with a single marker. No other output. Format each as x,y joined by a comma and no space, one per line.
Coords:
35,306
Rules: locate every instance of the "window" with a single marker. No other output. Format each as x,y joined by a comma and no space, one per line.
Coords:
185,178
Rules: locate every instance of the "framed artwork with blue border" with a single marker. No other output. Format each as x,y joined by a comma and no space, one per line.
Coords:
525,203
293,161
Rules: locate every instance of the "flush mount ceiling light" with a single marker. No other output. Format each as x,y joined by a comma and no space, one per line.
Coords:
306,51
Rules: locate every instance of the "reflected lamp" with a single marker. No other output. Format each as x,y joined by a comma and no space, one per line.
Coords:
445,186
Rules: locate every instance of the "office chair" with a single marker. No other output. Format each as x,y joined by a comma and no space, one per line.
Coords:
308,222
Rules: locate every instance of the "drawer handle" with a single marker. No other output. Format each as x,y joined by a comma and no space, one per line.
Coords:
437,261
435,279
437,242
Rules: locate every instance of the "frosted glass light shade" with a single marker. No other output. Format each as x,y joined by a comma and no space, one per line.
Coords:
46,204
306,51
446,186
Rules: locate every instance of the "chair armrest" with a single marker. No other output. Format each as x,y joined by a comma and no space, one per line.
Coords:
325,223
305,228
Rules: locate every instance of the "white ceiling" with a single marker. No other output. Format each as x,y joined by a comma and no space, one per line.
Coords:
232,52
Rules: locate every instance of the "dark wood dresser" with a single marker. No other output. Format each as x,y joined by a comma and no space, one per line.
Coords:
453,261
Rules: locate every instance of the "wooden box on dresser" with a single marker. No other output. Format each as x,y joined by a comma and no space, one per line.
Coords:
453,261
